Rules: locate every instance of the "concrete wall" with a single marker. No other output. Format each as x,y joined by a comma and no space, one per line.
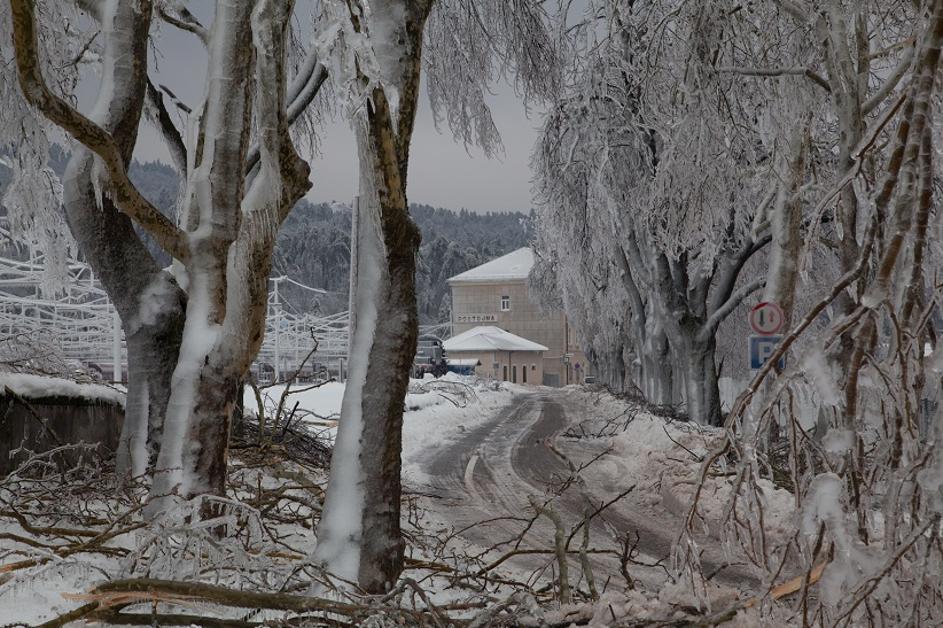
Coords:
476,304
69,421
504,365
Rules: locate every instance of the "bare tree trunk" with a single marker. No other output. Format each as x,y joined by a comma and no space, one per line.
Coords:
150,304
657,368
152,356
701,384
786,227
209,427
365,490
387,380
381,356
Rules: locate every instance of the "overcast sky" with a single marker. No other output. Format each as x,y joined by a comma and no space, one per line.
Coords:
441,173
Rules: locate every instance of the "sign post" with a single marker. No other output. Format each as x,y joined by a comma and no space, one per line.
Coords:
766,320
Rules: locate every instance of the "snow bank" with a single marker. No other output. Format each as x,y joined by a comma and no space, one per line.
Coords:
663,459
30,386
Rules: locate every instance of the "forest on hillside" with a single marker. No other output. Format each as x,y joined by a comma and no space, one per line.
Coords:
313,245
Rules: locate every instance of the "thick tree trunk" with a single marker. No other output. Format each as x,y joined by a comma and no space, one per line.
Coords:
148,301
208,438
615,368
192,458
152,356
657,369
387,380
359,537
786,227
702,390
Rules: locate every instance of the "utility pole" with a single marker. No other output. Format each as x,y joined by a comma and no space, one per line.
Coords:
277,305
354,258
116,346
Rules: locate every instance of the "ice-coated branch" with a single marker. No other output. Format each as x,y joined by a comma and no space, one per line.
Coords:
158,113
282,170
818,79
127,197
301,93
300,102
730,270
409,96
181,18
890,83
718,315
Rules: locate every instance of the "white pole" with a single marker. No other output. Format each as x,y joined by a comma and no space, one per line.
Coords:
354,269
278,325
116,346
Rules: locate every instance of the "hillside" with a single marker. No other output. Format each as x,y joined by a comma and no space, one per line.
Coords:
314,244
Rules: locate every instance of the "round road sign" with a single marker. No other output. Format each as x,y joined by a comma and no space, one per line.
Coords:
766,318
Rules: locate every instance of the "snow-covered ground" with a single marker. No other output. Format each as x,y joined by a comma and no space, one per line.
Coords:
436,412
664,460
660,457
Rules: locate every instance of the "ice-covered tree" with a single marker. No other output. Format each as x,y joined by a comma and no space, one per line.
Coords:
651,160
213,303
844,100
381,48
200,324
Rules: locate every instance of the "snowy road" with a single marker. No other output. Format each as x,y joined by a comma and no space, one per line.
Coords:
488,474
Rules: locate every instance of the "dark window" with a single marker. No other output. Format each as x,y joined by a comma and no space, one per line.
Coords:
514,373
505,373
524,373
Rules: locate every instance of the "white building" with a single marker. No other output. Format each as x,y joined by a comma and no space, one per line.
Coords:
495,296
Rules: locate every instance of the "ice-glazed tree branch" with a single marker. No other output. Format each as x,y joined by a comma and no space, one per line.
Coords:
806,72
37,93
180,17
890,83
278,157
718,315
409,99
161,117
303,90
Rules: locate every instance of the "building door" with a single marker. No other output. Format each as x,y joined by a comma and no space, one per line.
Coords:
514,374
505,372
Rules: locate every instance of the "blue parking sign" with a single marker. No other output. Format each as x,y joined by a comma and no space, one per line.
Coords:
761,348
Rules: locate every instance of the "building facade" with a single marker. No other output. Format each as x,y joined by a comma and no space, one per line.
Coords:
496,294
498,354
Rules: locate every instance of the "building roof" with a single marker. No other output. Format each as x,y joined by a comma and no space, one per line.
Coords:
488,338
513,266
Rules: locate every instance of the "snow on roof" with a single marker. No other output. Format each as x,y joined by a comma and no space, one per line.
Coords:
30,386
514,265
489,338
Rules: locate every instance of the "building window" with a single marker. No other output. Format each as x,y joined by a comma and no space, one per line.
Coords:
505,304
524,372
